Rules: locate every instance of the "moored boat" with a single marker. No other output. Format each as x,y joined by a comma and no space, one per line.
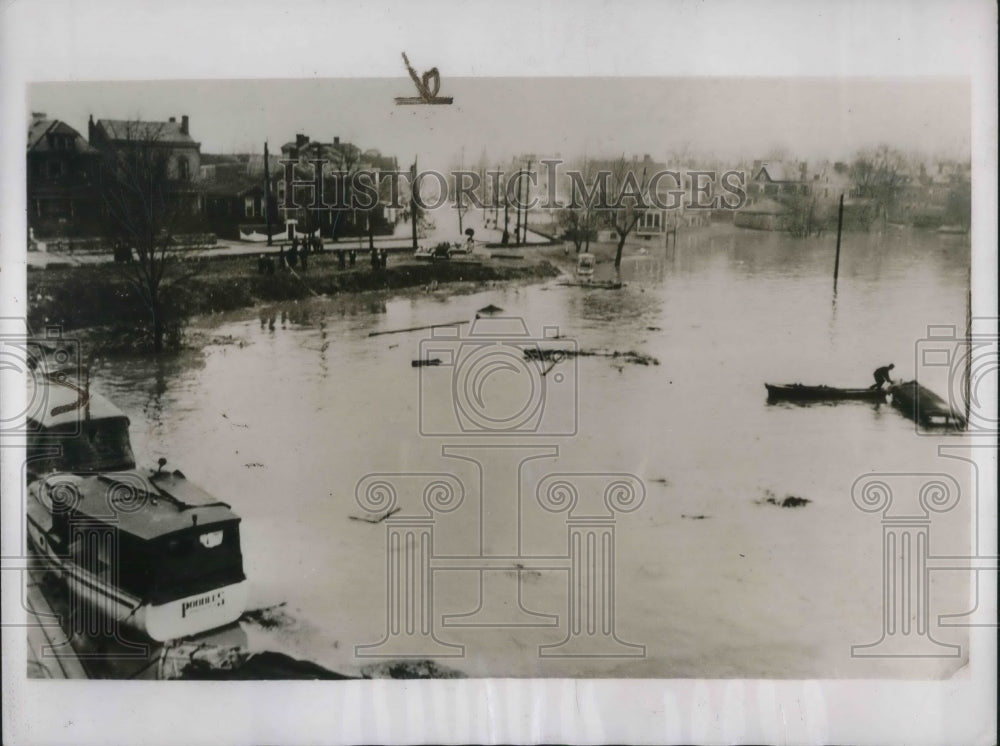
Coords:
801,392
148,549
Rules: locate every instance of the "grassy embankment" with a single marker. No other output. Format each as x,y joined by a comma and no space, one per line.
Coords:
99,295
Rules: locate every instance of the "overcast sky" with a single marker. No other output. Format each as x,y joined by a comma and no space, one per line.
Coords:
730,118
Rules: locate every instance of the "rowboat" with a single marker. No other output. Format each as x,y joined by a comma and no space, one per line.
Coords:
801,392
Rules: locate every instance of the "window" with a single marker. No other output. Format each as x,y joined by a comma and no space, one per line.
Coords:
248,206
183,169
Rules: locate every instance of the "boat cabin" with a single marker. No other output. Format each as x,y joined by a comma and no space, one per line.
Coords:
585,264
148,547
72,429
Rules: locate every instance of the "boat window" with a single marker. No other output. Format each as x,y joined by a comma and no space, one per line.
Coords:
196,559
93,445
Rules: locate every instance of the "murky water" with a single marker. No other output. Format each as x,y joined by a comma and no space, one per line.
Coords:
285,418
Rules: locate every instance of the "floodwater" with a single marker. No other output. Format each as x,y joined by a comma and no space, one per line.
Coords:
290,406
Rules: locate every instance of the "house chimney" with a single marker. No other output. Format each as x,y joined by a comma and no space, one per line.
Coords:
37,116
184,124
173,119
300,140
336,140
90,129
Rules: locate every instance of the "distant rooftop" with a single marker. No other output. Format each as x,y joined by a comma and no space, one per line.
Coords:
40,138
122,130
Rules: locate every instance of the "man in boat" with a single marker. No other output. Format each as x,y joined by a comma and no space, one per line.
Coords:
882,376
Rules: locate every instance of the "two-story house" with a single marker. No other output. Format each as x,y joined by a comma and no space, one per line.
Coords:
61,171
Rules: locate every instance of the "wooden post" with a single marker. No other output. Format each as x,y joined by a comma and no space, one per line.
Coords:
517,226
840,226
413,203
267,193
527,195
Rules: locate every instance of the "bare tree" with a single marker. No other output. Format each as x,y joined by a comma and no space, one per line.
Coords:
579,219
143,205
879,175
626,201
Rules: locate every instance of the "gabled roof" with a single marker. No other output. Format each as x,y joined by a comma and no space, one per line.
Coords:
40,129
777,172
124,130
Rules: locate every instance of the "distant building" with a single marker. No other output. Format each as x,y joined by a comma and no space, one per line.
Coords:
339,157
231,190
777,179
172,137
61,173
764,214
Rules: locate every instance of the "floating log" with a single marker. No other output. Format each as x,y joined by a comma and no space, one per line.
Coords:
593,285
425,362
553,355
415,328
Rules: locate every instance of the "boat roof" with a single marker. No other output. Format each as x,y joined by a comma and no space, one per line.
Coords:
54,401
150,506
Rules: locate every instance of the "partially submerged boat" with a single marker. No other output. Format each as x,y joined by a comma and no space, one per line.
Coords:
145,547
800,392
925,407
585,264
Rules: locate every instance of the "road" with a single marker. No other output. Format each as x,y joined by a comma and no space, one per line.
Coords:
401,240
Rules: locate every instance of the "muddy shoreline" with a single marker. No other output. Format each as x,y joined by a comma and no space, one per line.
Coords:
99,300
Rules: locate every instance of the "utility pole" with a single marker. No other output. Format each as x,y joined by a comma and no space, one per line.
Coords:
836,261
413,203
267,193
517,226
527,196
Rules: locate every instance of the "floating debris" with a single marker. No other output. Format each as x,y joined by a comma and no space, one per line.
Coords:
695,517
520,571
269,617
373,517
409,669
789,501
202,661
415,328
424,362
593,285
638,358
490,310
660,480
654,329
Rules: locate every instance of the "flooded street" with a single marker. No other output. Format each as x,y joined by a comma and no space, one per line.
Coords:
290,406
